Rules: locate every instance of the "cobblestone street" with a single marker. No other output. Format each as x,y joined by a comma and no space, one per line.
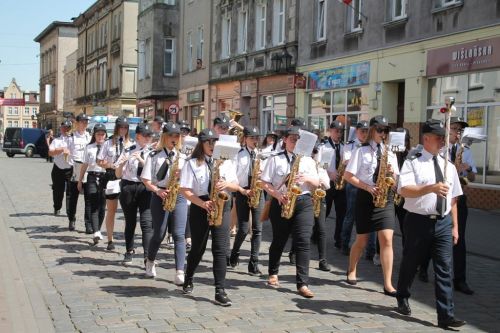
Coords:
53,280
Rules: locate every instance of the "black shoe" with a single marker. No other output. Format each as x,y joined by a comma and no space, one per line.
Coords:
253,268
187,287
234,260
337,245
351,282
390,293
88,231
404,306
323,266
111,246
71,225
96,240
422,276
56,212
463,287
127,258
451,323
222,299
291,256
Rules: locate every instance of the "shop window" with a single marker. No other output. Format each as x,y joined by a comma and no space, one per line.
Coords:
440,88
483,87
273,112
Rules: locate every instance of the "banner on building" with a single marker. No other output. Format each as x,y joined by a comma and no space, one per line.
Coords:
12,102
340,77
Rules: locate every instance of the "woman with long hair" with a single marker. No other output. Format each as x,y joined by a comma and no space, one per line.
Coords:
362,171
108,156
158,171
93,187
196,182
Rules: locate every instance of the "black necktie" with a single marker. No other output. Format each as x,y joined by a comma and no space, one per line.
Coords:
453,153
139,167
121,145
250,168
98,151
379,154
209,162
441,202
337,155
164,167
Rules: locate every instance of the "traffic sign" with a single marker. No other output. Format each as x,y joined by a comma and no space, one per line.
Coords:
173,108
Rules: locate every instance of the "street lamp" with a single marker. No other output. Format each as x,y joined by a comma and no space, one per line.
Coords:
276,61
287,59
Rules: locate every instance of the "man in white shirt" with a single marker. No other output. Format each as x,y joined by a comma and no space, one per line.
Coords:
430,189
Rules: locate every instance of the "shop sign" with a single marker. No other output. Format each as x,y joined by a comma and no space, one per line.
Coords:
12,101
464,57
195,96
340,77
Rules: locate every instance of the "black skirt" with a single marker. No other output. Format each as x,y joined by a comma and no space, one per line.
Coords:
370,218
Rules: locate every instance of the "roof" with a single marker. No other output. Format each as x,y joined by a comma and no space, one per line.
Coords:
51,27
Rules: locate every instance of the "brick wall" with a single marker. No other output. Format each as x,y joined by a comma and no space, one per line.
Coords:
482,198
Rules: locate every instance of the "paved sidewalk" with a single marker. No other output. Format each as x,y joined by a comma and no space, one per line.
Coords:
53,280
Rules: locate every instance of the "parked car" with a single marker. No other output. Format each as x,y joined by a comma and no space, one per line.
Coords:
27,141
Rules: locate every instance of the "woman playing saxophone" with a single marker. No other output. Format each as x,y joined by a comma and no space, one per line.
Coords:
303,179
369,169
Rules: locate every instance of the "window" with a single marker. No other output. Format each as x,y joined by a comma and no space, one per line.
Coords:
34,110
189,45
169,2
26,124
354,16
320,20
10,111
226,37
279,22
13,96
260,24
169,57
444,3
144,59
199,51
9,123
16,123
16,110
242,31
26,111
398,9
26,98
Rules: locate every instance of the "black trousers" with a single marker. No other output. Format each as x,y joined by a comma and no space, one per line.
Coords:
459,250
134,197
300,226
400,214
243,212
338,198
94,190
200,231
60,184
427,237
73,203
319,232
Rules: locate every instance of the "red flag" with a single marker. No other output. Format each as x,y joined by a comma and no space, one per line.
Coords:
347,2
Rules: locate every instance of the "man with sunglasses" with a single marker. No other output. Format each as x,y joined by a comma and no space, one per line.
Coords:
334,196
431,226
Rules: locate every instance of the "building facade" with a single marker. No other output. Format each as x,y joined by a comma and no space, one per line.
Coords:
70,83
18,108
195,42
106,64
56,41
402,62
158,59
254,54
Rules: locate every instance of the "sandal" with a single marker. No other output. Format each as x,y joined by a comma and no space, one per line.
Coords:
273,281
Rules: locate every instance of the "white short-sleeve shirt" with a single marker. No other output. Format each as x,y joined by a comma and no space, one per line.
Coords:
132,164
90,158
364,162
153,163
110,152
60,160
419,170
76,145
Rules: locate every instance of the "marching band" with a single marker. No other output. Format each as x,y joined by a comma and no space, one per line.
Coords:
188,192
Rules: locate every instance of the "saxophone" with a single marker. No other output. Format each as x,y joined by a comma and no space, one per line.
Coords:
384,180
219,198
458,161
256,185
340,181
172,187
318,195
292,191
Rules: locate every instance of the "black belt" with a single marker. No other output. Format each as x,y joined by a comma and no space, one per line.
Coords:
79,162
126,181
431,216
95,173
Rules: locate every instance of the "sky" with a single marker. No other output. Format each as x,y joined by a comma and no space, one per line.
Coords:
20,23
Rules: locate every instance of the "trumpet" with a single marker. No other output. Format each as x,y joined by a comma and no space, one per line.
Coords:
235,115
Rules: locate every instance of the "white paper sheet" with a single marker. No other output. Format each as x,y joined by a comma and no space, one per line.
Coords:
306,143
397,141
226,150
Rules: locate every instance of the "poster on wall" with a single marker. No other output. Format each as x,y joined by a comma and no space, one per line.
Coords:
340,77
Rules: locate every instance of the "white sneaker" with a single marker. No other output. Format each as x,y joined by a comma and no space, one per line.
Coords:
98,234
150,268
376,260
179,278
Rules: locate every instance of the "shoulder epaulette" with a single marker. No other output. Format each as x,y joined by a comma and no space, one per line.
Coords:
241,150
153,153
365,144
281,153
414,156
130,148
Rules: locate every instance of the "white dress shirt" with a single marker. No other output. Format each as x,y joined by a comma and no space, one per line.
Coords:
364,162
243,165
330,144
110,152
153,163
279,166
196,175
90,158
59,159
132,164
466,158
76,145
419,170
